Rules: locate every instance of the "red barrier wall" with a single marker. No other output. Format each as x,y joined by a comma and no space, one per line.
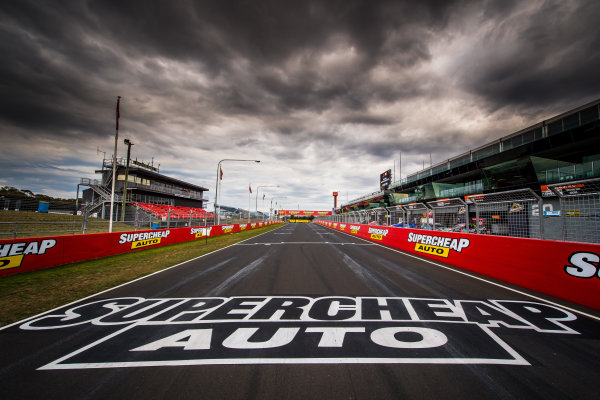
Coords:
566,270
29,254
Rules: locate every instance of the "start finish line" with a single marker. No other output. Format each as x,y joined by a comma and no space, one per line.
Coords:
298,330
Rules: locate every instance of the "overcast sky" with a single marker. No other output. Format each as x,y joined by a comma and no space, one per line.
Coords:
327,94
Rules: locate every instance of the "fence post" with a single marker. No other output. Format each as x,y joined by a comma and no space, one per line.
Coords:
84,221
541,217
16,230
476,218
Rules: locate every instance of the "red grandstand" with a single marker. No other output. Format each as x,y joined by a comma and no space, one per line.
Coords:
166,211
150,194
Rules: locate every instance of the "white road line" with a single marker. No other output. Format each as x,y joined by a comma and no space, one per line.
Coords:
233,279
127,283
340,243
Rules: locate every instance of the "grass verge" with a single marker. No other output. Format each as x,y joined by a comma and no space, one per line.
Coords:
31,293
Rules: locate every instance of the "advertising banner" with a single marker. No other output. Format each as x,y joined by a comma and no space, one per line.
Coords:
567,270
303,212
29,254
385,179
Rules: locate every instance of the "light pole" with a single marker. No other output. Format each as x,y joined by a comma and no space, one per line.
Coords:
276,198
217,219
258,187
114,169
129,144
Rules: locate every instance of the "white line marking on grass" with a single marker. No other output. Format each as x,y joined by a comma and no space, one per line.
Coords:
127,283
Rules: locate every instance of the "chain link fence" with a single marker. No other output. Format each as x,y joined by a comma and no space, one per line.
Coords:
580,210
568,212
30,217
514,213
449,215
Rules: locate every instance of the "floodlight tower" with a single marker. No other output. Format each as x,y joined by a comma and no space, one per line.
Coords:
129,144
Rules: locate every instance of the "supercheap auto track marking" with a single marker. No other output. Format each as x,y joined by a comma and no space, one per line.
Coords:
432,316
298,329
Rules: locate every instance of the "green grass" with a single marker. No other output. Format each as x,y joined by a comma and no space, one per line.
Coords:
31,293
30,223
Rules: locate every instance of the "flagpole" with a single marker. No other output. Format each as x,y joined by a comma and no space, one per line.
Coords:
217,219
114,171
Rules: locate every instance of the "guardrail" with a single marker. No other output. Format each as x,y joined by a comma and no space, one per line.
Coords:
560,269
21,219
29,254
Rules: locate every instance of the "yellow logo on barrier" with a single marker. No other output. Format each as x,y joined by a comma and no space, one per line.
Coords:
227,228
377,233
11,254
437,245
145,243
143,239
200,232
433,250
11,262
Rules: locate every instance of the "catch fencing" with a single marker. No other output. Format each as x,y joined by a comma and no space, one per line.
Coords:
563,212
29,217
580,210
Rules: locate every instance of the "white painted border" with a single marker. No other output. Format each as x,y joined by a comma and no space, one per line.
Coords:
127,283
458,271
57,364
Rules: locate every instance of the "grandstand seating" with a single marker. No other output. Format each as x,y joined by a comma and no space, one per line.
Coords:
174,212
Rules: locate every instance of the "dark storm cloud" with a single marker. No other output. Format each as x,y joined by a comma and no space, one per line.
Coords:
70,55
545,56
367,119
48,73
341,79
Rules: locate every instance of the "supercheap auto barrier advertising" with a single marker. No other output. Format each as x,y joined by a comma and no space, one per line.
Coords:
570,271
29,254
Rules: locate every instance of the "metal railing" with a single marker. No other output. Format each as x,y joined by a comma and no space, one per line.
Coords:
579,210
568,212
20,218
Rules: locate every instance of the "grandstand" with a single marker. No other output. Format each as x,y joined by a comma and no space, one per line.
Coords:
540,182
168,211
148,191
558,150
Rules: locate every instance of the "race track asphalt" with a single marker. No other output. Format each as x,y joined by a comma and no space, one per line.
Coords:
304,312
